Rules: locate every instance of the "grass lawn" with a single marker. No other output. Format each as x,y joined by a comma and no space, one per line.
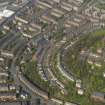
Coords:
31,73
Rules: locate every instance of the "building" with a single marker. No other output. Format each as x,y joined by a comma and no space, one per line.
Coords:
59,102
6,13
4,4
4,73
19,1
3,79
8,96
80,91
43,5
4,87
78,84
71,103
12,87
98,97
7,54
104,74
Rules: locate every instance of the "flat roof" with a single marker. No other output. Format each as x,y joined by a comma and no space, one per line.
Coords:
6,13
3,1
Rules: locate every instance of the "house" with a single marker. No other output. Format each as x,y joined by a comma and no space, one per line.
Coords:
80,91
71,103
48,19
21,20
98,97
57,1
3,79
4,74
1,59
99,51
57,12
104,74
4,87
90,62
7,54
78,83
7,96
24,95
12,87
57,101
43,5
6,27
98,64
66,6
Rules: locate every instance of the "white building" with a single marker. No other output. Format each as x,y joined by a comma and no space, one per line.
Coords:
7,54
80,91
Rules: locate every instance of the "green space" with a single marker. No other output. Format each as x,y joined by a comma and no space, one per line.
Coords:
29,69
31,73
91,75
